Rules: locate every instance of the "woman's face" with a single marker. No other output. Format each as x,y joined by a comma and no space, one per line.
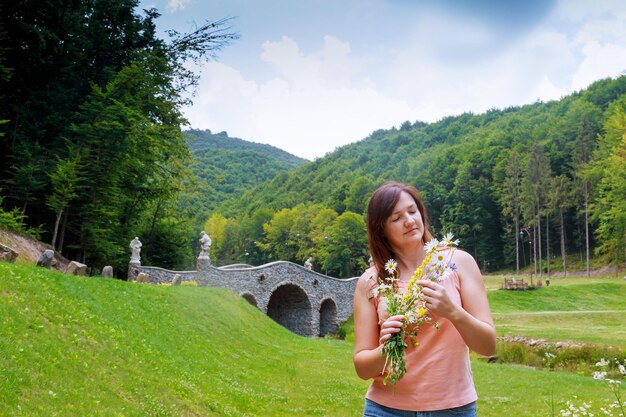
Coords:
405,226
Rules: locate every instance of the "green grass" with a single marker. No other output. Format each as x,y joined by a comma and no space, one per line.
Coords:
75,346
571,309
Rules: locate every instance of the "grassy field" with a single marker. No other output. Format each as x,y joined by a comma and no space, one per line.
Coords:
74,346
575,309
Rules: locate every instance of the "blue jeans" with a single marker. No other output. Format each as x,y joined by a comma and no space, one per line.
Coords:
373,409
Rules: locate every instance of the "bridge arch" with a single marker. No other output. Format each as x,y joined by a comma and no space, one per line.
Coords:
250,298
290,307
328,317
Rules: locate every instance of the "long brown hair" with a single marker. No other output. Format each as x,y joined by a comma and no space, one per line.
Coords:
380,207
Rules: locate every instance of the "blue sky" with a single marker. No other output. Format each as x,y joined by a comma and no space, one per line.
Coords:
308,76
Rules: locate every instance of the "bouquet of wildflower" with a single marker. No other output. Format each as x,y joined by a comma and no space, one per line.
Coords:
436,267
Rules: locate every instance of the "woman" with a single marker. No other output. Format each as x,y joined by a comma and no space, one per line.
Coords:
438,379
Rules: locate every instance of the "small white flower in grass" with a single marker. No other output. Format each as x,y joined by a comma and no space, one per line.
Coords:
431,246
599,375
391,266
603,362
622,369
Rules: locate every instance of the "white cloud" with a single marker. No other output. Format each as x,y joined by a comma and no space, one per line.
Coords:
513,74
598,39
602,43
314,103
600,61
578,11
174,5
331,66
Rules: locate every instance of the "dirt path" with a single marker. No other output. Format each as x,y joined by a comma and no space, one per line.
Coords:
531,313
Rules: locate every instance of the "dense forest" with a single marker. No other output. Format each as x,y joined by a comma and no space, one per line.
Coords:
519,186
225,167
94,151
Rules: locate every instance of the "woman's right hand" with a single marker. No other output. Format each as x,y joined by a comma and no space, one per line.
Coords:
390,326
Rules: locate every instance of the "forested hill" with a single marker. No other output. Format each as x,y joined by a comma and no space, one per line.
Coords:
225,167
201,141
486,177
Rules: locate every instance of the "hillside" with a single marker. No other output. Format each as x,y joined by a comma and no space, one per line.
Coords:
462,165
225,167
101,347
29,249
200,141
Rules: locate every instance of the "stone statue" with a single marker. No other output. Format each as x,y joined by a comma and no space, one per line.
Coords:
205,245
203,262
135,246
46,258
308,264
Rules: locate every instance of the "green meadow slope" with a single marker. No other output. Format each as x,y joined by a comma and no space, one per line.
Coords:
75,346
579,312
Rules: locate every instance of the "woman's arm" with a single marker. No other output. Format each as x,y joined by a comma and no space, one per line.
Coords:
472,319
368,336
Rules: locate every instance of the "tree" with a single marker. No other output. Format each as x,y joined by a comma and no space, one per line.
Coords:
587,130
609,167
166,242
320,229
472,212
279,242
134,154
537,175
510,197
359,192
345,253
560,199
65,181
26,174
215,227
96,76
252,233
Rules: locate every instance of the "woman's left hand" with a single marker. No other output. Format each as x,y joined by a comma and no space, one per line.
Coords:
436,299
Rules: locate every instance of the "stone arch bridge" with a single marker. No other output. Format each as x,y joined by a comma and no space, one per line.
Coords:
303,301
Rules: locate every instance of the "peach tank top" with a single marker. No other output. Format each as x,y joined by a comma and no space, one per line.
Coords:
438,372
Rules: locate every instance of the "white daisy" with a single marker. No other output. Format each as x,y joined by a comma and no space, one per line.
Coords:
431,246
448,240
391,266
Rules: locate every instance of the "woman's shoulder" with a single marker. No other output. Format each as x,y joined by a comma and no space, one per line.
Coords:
465,263
369,275
368,279
461,255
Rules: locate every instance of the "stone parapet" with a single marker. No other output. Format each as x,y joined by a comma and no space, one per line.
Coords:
304,301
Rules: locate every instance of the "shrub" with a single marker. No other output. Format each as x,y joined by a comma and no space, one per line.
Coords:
14,221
